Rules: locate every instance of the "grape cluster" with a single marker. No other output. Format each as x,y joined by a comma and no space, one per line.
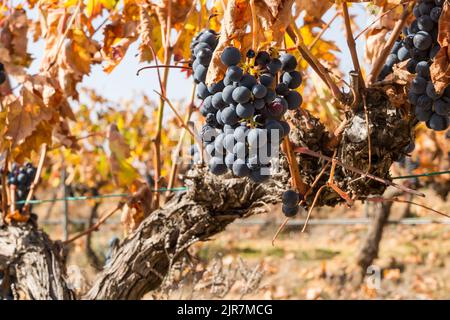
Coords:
2,74
244,110
418,47
22,177
290,200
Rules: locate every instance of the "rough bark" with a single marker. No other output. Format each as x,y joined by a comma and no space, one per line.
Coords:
33,264
211,203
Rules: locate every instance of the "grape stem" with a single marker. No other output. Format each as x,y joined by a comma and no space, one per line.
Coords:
37,177
356,170
4,188
166,66
352,47
174,168
379,62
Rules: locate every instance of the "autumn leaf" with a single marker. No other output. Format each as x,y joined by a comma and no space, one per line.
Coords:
123,172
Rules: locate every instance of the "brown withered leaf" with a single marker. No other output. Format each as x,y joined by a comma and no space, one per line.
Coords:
14,38
440,69
62,135
314,10
138,207
179,10
65,59
24,115
376,39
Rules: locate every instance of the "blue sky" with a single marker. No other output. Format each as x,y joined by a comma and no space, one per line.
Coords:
123,83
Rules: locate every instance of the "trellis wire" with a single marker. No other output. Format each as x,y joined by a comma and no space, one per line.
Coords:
121,195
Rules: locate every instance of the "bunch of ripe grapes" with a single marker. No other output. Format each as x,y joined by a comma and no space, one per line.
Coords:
21,177
419,47
244,110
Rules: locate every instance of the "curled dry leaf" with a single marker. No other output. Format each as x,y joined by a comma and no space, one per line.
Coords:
138,207
440,69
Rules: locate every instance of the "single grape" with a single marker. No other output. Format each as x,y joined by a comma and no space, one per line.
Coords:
288,62
282,89
397,45
416,12
248,81
217,101
274,66
200,46
245,110
411,65
250,53
293,79
266,79
216,87
423,69
274,128
262,58
204,56
229,116
408,41
217,166
277,108
200,73
442,107
240,133
259,91
403,54
259,104
422,114
435,14
425,23
289,212
425,102
290,198
209,38
425,8
391,60
240,168
241,94
227,94
202,91
437,122
419,85
270,96
294,100
234,73
422,40
230,56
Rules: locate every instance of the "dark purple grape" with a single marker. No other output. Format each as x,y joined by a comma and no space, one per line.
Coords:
259,104
259,91
282,89
435,14
422,40
241,95
245,110
288,62
411,65
391,60
217,101
229,115
293,79
250,53
234,73
438,123
403,54
423,69
266,79
425,102
270,96
240,168
425,23
294,100
419,85
262,58
425,8
248,81
209,38
442,107
274,66
217,166
204,56
216,87
202,91
227,94
412,97
422,114
290,198
289,212
230,56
